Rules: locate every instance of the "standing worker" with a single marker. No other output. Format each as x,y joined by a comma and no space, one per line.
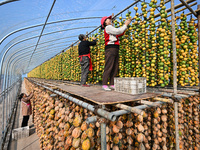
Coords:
26,107
111,35
84,57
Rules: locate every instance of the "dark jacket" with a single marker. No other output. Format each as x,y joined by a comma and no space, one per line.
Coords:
84,47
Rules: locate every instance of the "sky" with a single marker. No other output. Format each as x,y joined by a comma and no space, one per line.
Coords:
21,46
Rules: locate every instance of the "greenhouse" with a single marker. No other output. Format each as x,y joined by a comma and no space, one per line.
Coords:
154,101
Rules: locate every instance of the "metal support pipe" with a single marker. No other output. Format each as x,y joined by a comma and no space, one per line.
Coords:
163,99
7,1
6,106
179,88
91,119
148,103
175,74
3,110
122,112
198,18
191,10
176,124
103,137
99,111
131,109
103,134
174,49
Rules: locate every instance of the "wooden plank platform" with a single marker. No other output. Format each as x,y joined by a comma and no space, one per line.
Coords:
99,96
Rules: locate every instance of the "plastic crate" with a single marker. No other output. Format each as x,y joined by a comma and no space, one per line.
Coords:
132,85
20,133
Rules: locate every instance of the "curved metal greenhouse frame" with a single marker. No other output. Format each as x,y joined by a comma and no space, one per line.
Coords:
20,55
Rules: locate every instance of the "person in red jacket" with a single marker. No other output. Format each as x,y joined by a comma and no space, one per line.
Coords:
111,35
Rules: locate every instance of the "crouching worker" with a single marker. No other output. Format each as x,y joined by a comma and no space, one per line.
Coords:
84,57
26,107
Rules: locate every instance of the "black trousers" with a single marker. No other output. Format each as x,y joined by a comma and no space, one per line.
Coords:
111,65
25,121
85,63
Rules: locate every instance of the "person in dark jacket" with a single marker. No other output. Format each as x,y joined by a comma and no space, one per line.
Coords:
26,107
84,57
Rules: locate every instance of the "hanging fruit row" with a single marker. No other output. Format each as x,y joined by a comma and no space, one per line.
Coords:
145,51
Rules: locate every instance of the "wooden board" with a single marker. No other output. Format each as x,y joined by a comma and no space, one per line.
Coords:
99,96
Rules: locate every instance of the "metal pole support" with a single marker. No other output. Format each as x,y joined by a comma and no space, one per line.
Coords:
103,134
191,10
103,137
198,17
91,119
175,73
7,1
176,124
174,49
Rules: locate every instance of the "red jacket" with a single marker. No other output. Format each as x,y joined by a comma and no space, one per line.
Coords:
112,35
